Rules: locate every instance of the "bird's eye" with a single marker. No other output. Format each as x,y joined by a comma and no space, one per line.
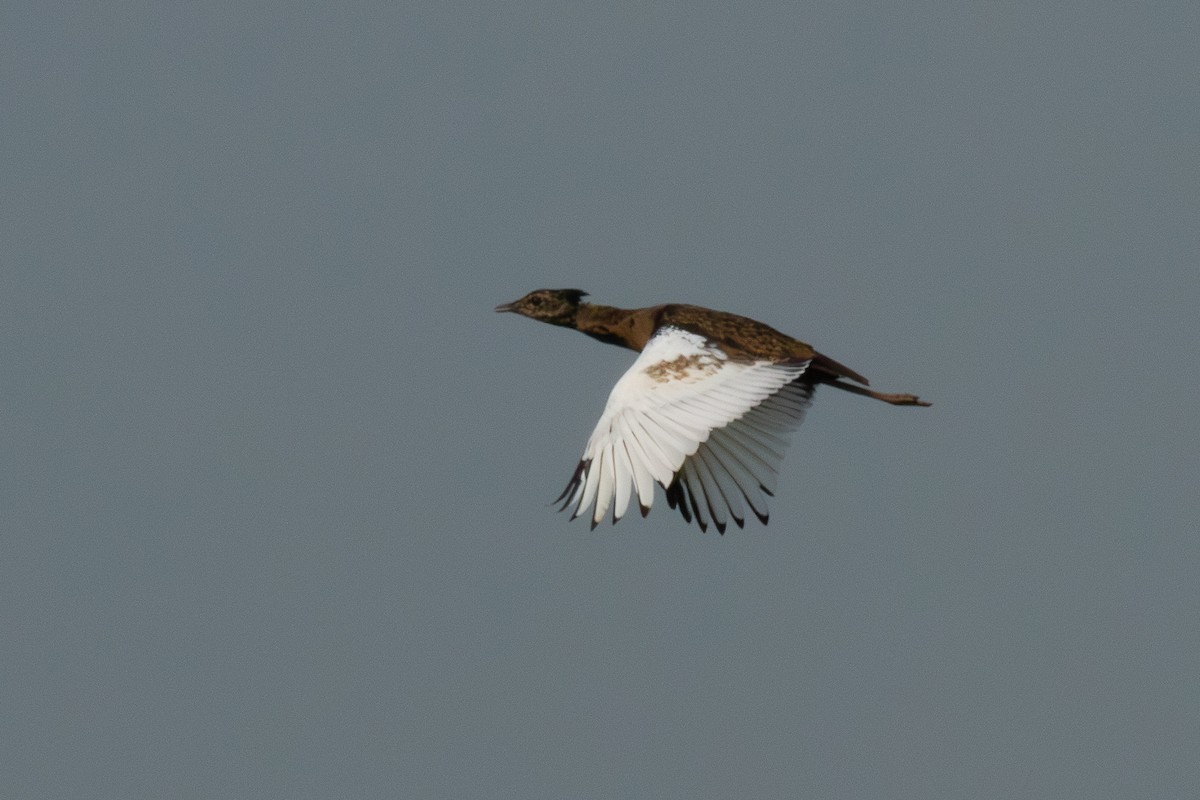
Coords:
535,301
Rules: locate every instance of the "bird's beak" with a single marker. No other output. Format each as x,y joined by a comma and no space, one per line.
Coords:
507,307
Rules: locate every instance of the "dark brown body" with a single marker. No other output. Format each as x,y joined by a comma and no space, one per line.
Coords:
740,337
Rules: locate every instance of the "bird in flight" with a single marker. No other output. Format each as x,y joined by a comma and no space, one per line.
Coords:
705,411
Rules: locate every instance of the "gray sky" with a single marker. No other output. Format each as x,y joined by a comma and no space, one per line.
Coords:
275,477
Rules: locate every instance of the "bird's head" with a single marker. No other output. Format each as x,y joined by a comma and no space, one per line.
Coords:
556,306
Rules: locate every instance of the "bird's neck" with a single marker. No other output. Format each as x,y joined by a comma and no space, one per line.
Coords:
619,326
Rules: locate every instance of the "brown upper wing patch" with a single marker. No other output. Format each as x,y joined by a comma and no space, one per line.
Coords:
694,365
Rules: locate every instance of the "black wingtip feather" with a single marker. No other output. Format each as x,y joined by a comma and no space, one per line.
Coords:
696,508
576,479
676,499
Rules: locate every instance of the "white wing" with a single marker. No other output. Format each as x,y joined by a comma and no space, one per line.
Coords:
709,429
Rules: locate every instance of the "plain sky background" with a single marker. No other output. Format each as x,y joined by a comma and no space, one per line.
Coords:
275,477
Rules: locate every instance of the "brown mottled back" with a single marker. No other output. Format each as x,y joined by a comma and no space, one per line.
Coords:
740,337
748,338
